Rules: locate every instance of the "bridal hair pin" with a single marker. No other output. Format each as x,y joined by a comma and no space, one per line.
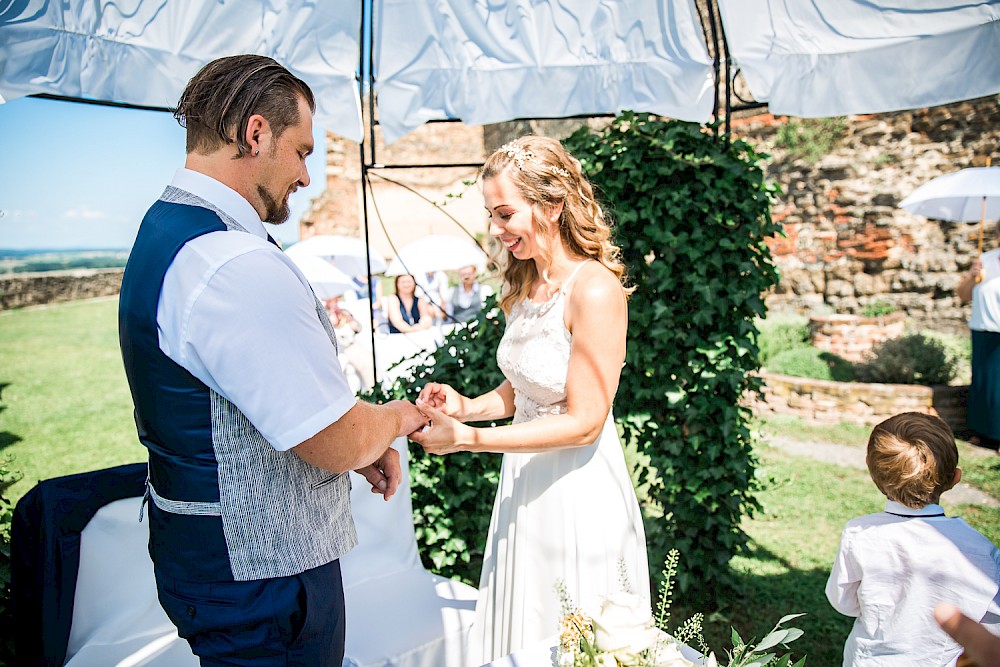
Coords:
520,156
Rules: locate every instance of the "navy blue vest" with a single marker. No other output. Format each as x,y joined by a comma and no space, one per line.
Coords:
225,504
172,407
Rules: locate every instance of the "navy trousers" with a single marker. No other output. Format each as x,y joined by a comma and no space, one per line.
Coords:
286,622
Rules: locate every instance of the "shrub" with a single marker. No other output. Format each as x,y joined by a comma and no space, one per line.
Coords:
778,334
8,476
809,362
692,210
879,308
910,359
810,138
958,349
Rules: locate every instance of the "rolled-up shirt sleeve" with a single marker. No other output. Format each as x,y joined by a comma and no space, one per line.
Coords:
250,330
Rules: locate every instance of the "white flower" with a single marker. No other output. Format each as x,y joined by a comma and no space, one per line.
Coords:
606,660
668,654
624,627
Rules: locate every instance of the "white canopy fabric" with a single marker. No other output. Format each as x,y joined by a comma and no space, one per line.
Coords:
839,57
489,62
143,52
485,62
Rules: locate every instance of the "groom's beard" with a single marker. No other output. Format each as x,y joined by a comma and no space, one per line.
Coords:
275,213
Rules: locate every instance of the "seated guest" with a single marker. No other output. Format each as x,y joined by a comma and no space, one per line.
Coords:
433,286
895,566
468,296
407,311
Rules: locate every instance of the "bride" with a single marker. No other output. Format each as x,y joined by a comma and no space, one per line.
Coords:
565,508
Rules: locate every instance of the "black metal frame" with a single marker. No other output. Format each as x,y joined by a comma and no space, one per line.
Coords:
724,76
713,32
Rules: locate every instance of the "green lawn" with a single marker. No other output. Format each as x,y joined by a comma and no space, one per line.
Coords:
65,407
64,402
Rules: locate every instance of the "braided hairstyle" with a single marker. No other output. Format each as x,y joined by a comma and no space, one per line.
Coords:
546,175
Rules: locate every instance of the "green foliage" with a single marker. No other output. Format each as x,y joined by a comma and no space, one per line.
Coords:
453,495
778,334
810,138
8,476
879,308
910,359
958,349
809,362
692,211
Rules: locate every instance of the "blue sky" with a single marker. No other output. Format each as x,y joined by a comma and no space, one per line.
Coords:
76,175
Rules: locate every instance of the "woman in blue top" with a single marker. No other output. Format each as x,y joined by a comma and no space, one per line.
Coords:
406,311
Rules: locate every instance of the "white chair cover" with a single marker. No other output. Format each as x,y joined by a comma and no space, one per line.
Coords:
398,614
117,619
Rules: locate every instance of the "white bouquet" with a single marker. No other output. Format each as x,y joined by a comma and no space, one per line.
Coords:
621,632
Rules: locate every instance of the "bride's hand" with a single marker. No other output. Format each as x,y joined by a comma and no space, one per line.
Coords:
443,435
442,397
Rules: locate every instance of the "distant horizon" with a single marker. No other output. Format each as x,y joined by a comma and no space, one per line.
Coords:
19,252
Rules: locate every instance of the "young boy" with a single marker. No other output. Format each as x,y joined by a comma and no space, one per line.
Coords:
894,567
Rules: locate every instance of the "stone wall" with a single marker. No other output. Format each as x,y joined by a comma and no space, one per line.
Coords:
18,290
826,402
847,244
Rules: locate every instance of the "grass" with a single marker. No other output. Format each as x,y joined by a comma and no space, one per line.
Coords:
64,401
793,543
65,407
794,540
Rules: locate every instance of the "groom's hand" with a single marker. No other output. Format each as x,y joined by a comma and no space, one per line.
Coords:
385,474
411,419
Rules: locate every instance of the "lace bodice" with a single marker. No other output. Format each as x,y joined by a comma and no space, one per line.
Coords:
534,355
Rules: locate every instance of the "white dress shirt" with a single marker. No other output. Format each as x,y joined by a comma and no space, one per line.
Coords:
237,314
894,567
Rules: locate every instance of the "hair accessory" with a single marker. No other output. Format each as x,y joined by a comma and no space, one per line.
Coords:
519,156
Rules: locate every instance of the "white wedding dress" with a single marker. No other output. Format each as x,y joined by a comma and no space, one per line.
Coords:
567,515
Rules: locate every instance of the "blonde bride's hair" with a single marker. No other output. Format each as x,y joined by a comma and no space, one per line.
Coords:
546,175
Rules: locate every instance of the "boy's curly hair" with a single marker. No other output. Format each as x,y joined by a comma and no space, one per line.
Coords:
912,458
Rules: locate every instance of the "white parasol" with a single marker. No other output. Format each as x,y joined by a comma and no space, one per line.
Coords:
963,196
437,252
327,280
347,253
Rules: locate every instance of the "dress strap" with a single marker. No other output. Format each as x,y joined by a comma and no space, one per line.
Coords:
573,275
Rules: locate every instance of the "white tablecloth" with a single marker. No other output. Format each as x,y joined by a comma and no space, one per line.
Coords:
390,349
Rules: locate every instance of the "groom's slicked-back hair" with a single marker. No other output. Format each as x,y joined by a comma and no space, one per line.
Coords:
218,101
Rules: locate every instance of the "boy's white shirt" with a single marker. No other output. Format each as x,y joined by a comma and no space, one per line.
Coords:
894,567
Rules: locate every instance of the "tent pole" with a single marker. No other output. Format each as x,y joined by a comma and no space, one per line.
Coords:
366,39
982,213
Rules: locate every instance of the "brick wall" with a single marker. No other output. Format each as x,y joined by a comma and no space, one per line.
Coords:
847,244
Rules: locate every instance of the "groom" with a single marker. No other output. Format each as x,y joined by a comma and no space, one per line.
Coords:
249,421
